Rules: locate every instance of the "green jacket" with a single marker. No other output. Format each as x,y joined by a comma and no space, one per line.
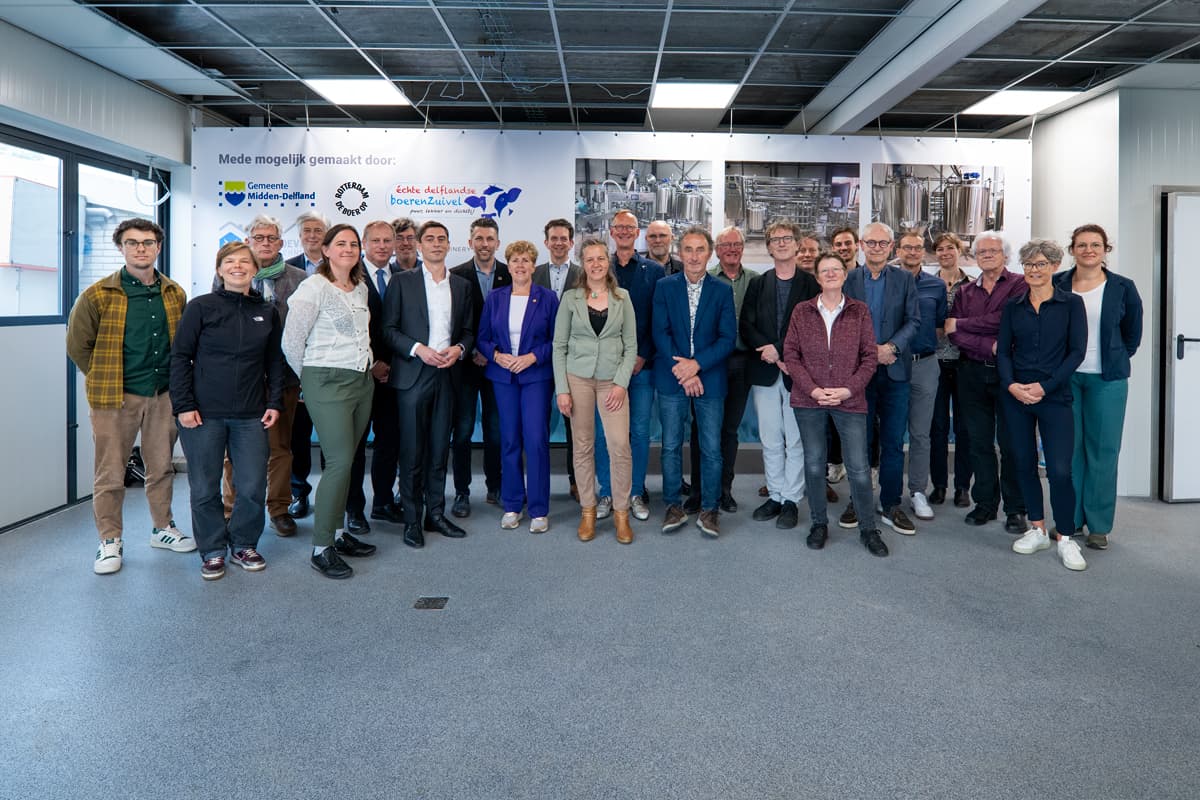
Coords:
579,351
96,335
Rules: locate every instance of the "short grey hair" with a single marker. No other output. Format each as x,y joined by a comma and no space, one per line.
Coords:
995,236
733,229
312,215
891,233
265,221
1041,247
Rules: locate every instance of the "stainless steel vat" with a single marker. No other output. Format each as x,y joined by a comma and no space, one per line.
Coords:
966,207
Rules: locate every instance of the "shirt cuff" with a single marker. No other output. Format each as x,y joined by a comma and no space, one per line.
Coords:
413,352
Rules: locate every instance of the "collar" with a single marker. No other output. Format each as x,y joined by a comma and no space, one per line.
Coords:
126,275
427,275
1002,277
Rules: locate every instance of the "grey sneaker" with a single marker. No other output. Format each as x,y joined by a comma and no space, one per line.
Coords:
639,508
604,508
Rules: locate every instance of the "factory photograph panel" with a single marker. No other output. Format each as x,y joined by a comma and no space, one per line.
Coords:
676,192
963,199
819,197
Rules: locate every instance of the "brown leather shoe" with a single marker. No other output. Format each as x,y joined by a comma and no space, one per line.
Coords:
624,532
674,519
587,524
575,493
284,525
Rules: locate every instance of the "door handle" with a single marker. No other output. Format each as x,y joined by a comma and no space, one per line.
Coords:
1179,343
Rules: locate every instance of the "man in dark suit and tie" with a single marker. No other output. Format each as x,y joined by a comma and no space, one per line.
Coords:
428,322
891,295
378,245
484,273
695,329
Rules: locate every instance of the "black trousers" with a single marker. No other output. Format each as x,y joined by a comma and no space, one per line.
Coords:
425,414
302,428
472,389
939,432
737,393
979,389
385,423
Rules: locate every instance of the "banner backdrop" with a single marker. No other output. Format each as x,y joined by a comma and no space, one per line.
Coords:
520,178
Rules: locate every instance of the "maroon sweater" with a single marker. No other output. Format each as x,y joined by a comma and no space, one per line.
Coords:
847,359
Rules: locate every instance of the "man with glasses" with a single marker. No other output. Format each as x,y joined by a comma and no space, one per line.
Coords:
311,225
406,243
891,295
973,325
638,276
659,238
276,279
931,298
119,335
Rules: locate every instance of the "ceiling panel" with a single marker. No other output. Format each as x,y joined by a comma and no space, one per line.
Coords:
234,63
737,32
827,33
936,102
761,118
342,63
688,67
391,27
288,27
1098,9
1133,41
1068,75
618,30
442,92
633,94
981,74
792,96
610,67
516,66
431,64
496,25
804,70
1048,40
174,25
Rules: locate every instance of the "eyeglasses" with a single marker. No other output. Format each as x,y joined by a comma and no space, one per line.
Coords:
875,244
781,240
1036,265
624,228
912,248
989,252
134,244
259,238
831,271
729,245
411,237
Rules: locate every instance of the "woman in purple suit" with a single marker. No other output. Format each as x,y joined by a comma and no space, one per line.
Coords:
516,335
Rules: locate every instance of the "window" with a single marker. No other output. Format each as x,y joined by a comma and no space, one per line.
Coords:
31,241
106,198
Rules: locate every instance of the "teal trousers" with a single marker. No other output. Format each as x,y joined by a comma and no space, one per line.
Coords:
1099,420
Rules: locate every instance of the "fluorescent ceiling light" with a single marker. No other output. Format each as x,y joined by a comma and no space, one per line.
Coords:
359,92
1019,102
692,95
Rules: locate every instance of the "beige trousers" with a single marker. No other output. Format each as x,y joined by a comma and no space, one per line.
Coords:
586,395
114,431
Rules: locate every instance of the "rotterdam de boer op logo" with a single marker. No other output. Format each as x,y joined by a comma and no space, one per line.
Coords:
351,198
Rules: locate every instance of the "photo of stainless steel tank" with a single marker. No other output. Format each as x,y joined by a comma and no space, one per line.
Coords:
676,192
819,197
962,199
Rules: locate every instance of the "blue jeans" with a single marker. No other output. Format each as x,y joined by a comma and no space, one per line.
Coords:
676,416
888,399
852,430
641,401
205,447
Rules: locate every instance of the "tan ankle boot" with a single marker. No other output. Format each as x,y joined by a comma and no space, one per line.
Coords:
624,532
587,524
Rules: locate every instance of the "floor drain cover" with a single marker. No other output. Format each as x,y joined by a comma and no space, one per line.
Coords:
436,603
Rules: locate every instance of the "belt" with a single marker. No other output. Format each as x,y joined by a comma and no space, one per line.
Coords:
919,356
990,363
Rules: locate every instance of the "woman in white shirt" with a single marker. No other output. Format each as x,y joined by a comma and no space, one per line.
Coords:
327,343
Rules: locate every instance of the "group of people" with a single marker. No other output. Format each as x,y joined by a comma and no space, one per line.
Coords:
375,333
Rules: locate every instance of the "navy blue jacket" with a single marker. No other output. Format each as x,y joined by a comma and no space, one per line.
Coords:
1120,322
1044,346
901,314
638,277
537,334
715,332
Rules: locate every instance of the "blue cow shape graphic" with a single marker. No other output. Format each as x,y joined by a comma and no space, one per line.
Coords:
502,200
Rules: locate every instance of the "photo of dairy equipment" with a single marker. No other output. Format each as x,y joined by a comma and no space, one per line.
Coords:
818,197
676,192
965,200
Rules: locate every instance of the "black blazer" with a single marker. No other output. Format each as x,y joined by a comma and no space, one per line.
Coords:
466,270
297,261
1120,321
406,322
757,325
379,346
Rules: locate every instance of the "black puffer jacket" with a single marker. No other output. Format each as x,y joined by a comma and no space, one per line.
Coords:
225,359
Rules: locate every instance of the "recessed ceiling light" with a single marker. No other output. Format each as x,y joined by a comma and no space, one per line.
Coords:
359,91
692,95
1019,102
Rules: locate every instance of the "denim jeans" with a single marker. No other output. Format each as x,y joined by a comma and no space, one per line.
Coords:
205,447
641,401
889,400
852,428
675,414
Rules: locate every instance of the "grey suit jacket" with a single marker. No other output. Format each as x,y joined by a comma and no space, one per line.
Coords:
541,276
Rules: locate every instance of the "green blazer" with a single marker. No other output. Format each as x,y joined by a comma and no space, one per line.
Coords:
579,351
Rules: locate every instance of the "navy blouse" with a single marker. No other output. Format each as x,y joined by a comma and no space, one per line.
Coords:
1044,346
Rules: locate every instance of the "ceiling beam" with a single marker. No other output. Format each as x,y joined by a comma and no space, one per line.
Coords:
921,43
562,65
466,62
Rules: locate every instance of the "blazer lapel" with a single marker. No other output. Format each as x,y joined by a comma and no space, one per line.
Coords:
532,309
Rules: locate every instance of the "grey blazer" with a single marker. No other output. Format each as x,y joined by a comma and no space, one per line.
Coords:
579,351
541,276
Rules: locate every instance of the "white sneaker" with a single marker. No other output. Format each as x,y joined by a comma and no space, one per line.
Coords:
511,520
920,506
835,473
171,538
539,525
108,557
604,508
1070,554
640,509
1035,539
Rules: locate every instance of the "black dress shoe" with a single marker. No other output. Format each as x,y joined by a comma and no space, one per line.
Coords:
874,543
413,536
330,564
727,503
692,504
357,523
962,498
445,527
937,496
768,510
299,507
492,498
389,513
1016,524
788,517
817,537
979,516
284,525
462,506
347,545
685,488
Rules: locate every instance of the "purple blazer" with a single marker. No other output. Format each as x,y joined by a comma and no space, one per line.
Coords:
537,334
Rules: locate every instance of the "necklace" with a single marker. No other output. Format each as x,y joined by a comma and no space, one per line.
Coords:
596,294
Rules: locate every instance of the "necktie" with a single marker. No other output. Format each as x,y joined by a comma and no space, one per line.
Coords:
380,283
